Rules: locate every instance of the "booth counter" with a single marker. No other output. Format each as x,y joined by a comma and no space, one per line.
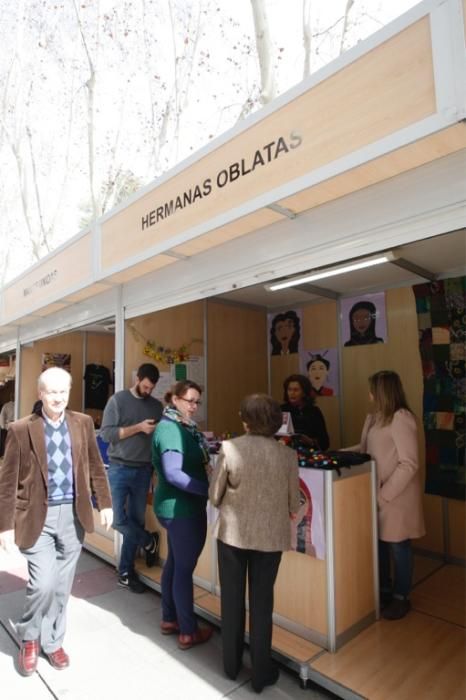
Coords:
319,603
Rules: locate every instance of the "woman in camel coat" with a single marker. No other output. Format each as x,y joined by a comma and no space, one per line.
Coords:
390,436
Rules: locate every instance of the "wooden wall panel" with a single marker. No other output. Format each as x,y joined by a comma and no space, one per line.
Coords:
237,361
173,327
281,366
301,591
354,587
31,367
320,325
457,528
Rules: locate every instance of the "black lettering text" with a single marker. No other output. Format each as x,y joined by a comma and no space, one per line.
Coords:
222,178
281,147
296,139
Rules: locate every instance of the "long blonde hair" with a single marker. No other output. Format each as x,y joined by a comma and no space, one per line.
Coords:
389,396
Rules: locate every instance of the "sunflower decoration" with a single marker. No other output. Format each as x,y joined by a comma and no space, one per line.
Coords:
167,356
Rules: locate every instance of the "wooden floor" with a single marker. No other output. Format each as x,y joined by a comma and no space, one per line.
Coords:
422,656
443,595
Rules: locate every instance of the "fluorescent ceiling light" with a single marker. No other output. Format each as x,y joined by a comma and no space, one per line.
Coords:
332,272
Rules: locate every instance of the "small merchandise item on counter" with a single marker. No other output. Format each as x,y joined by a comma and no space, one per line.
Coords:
213,442
311,458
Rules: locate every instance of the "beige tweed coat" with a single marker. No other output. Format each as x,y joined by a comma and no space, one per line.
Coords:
395,450
255,486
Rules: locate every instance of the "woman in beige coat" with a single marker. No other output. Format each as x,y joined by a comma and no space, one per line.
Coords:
390,436
256,489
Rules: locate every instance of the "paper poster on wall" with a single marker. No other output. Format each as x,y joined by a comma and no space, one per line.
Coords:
363,320
56,359
321,366
180,371
285,332
163,385
308,530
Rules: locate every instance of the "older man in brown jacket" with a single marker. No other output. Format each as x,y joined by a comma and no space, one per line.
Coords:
52,467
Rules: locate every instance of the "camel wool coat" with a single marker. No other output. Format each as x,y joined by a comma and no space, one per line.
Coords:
399,495
24,476
255,486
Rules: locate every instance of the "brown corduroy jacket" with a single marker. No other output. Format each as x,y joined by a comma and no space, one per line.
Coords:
24,476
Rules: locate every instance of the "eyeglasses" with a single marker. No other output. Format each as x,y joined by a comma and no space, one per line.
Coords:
192,402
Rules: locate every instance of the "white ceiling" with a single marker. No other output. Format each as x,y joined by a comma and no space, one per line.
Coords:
443,256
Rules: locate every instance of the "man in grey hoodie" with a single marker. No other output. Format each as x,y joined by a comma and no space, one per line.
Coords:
128,422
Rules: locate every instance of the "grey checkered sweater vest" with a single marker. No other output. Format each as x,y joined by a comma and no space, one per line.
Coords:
60,464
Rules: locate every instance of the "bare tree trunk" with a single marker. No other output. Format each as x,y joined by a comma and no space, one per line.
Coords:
42,237
307,37
349,5
90,92
264,51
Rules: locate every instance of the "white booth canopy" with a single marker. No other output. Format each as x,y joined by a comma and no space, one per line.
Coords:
366,154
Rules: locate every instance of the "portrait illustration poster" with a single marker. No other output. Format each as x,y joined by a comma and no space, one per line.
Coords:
307,530
285,331
363,320
321,367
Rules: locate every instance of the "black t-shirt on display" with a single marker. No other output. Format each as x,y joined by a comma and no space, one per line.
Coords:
97,381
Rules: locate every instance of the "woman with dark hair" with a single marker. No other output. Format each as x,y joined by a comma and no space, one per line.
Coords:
317,369
285,333
390,436
308,420
255,487
362,318
180,455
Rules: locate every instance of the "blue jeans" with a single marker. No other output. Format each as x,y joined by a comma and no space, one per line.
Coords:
186,539
130,486
402,555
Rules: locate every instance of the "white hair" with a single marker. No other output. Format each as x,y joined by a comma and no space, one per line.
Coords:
50,374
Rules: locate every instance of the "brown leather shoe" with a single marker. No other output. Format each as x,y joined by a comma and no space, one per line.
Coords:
201,635
59,659
169,627
28,657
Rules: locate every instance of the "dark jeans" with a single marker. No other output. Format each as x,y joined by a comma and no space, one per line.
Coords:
402,555
130,486
186,539
261,569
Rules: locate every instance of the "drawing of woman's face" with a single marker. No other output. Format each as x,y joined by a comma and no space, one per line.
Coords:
317,374
361,320
303,507
284,331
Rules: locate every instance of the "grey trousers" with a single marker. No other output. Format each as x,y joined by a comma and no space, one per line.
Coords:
51,566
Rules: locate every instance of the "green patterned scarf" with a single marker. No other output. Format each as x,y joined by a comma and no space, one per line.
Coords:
173,414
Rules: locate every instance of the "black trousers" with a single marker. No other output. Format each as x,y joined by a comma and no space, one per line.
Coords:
261,569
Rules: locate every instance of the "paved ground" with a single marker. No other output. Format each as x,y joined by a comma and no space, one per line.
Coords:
116,648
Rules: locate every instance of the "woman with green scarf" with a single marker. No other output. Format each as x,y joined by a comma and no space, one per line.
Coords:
181,457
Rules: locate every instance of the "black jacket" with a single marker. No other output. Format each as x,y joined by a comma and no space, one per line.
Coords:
308,420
